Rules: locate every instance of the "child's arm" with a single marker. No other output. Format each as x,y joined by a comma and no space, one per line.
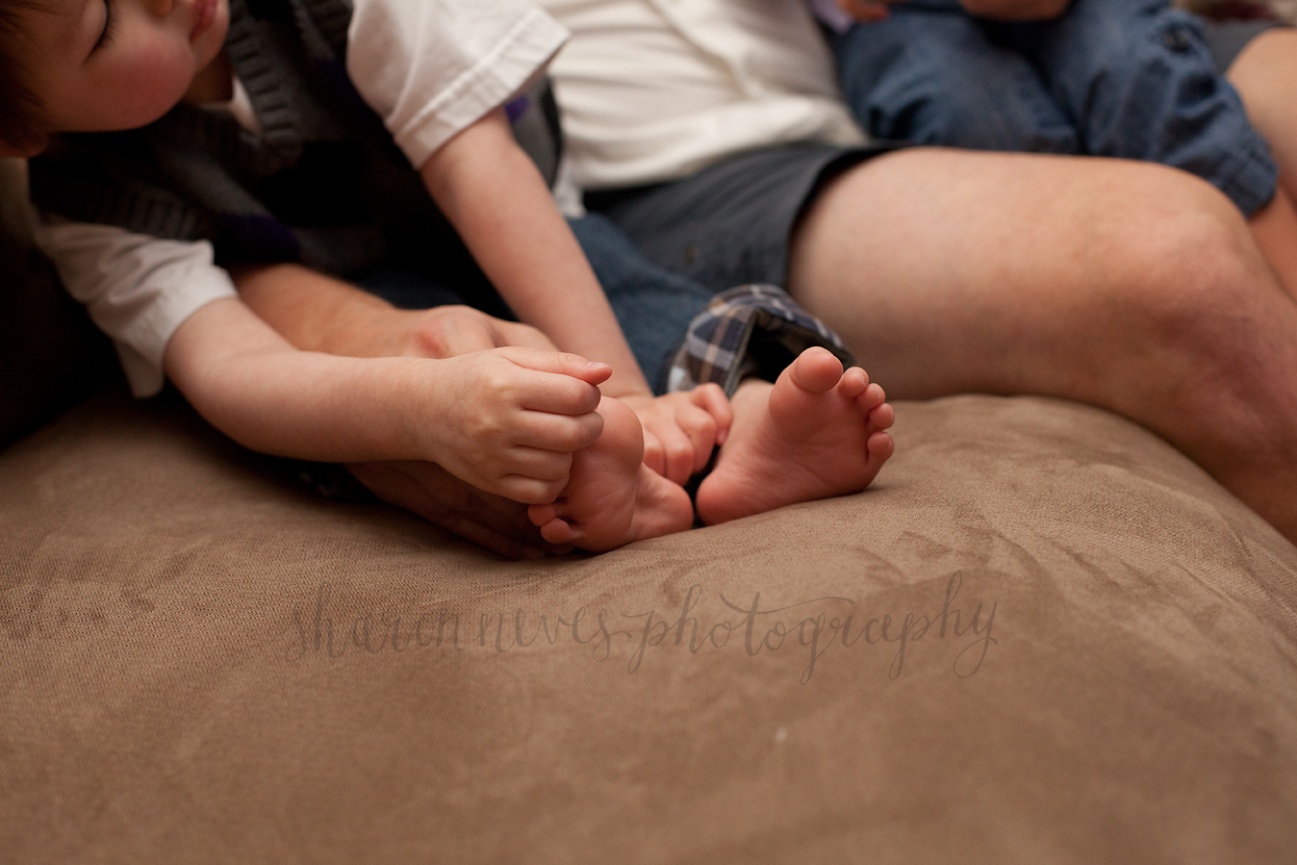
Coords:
863,11
503,209
505,421
497,200
1003,10
1016,10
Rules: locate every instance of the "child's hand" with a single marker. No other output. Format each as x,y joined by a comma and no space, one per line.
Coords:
680,429
867,11
508,420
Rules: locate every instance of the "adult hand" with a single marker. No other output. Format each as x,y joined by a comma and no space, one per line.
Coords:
1016,10
317,312
447,331
429,491
444,331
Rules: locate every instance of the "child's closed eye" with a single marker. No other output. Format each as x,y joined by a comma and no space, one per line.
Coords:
106,35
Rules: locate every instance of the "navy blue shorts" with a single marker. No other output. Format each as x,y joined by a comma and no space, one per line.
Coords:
1133,79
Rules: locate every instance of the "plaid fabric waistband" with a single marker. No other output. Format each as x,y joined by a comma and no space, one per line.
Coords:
750,330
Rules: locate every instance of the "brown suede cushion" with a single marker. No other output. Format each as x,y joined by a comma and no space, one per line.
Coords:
1045,637
50,354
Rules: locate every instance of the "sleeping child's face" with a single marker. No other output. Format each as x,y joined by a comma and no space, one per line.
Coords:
102,65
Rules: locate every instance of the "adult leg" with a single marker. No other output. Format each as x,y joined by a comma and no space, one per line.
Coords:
1125,285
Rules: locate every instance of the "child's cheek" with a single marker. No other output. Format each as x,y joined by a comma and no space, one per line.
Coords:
152,83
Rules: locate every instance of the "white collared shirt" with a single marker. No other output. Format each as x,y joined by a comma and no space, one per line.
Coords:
652,90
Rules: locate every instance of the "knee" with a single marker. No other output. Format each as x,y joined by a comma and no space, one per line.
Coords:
1194,312
1194,286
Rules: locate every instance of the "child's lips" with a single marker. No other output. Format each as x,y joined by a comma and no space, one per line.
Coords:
204,15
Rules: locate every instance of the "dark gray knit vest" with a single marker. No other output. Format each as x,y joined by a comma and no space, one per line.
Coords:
323,184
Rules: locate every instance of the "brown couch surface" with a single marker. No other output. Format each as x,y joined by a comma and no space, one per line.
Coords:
203,664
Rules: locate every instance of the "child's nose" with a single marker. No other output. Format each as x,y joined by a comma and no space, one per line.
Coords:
161,7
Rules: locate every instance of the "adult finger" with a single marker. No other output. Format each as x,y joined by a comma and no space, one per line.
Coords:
430,492
463,333
531,491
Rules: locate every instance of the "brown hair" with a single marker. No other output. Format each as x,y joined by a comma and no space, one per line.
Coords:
22,117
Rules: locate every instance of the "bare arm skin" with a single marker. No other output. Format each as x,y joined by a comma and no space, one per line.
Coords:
505,420
1004,10
321,313
1016,10
492,193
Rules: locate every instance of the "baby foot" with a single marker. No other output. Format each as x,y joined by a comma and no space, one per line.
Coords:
816,432
612,498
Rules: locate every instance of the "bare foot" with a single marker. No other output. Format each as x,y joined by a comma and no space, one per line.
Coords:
612,498
816,432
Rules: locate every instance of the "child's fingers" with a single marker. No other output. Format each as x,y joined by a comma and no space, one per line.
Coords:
711,399
561,362
866,10
678,453
703,433
654,455
556,432
555,394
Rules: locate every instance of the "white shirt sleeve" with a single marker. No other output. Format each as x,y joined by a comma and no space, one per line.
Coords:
138,289
434,67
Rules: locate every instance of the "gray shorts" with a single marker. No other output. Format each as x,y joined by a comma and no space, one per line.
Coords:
730,223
